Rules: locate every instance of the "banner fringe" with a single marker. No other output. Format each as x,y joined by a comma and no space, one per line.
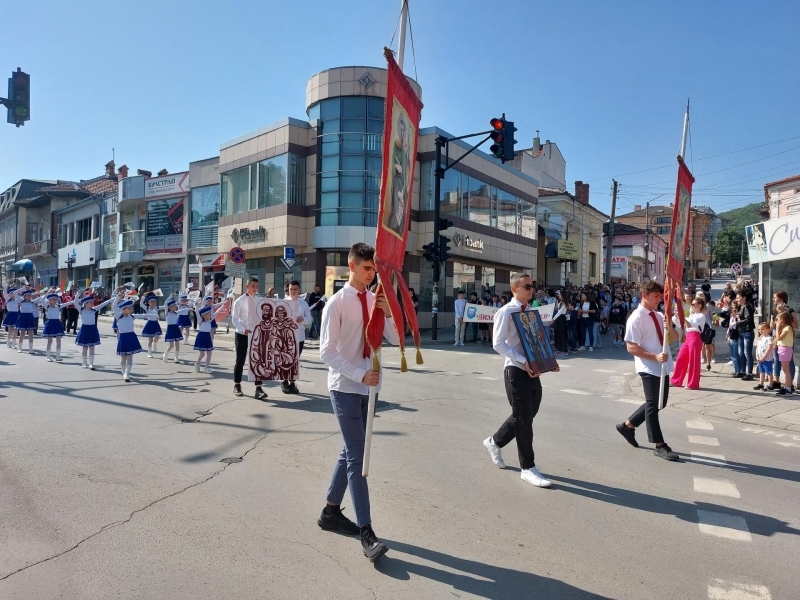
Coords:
403,363
419,357
376,364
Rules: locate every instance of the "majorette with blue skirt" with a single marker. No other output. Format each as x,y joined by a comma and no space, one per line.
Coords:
152,329
12,314
209,301
203,342
26,321
53,330
127,342
88,335
173,337
185,304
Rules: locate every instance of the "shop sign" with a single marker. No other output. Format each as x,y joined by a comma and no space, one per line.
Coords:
147,270
245,235
127,271
776,239
165,226
567,250
209,261
469,243
41,273
176,184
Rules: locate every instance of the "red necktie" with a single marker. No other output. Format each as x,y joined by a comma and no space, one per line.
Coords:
658,328
362,296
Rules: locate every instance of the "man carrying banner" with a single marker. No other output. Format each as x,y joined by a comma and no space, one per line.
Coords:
523,387
243,317
350,375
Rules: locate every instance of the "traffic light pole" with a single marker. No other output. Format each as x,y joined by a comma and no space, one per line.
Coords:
443,142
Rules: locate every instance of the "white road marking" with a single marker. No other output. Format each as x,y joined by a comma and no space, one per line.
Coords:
706,457
698,424
389,362
788,444
565,366
627,401
718,487
727,590
488,378
701,439
723,525
604,371
578,392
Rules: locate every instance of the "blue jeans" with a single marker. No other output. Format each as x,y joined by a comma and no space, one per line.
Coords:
746,351
316,320
351,412
572,335
587,327
733,347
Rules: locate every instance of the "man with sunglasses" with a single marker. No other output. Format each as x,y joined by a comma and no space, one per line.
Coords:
523,388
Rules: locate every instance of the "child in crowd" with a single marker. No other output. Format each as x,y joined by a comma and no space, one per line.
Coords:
784,340
765,355
572,327
174,337
709,349
616,321
203,342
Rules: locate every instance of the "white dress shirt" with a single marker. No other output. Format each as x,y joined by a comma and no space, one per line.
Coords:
506,340
460,305
341,344
695,322
300,309
641,330
243,311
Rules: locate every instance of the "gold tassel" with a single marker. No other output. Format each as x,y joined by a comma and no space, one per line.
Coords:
403,363
419,357
376,365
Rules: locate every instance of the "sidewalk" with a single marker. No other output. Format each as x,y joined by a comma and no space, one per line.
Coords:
726,397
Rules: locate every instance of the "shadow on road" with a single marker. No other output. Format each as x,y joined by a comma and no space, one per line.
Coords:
686,511
480,579
738,467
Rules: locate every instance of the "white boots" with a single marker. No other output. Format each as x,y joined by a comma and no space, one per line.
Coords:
84,362
49,358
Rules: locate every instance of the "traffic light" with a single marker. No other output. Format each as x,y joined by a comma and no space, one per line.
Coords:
503,137
429,251
444,248
19,97
445,224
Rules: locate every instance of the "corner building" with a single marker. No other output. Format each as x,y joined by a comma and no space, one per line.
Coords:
314,185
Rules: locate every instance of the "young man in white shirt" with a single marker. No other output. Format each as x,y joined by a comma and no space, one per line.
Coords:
342,347
523,388
644,337
302,316
242,315
460,306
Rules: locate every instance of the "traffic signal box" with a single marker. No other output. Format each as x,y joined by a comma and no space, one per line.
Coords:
503,138
19,98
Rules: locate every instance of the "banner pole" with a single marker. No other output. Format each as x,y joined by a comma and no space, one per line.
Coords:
373,393
401,41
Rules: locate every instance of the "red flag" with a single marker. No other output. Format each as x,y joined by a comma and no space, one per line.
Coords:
400,137
679,238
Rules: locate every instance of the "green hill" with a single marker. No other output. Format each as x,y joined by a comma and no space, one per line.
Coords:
738,218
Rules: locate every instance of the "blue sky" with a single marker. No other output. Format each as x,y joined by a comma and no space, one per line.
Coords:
164,83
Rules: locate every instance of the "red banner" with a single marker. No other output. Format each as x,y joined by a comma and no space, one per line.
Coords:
681,223
400,137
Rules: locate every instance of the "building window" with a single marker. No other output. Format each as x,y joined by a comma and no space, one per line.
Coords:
268,183
592,264
463,279
83,230
205,217
663,220
272,181
663,230
235,190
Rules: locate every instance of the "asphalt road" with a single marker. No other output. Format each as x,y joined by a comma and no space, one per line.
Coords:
106,491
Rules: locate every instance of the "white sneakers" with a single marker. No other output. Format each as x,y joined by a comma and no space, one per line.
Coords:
494,452
85,363
534,477
149,354
197,367
49,358
164,358
207,371
591,349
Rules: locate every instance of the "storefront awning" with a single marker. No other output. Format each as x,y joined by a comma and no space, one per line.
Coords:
550,233
24,265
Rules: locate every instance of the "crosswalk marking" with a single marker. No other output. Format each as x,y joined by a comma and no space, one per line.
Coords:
699,424
578,392
603,371
722,525
488,378
701,439
628,401
718,487
707,457
728,590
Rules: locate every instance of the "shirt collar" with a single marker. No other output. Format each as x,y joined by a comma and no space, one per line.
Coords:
515,302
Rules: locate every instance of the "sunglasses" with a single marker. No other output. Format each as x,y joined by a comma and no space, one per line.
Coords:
527,286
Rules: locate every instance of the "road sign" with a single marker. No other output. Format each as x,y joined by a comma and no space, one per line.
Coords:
237,255
289,263
237,270
288,253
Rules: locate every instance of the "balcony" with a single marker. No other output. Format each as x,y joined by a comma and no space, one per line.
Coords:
42,247
110,251
131,247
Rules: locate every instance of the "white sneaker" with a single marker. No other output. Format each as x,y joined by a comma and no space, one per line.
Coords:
581,348
197,367
207,371
149,354
591,349
49,358
19,351
455,343
703,361
460,343
729,363
534,476
85,364
91,366
164,358
713,361
176,361
494,452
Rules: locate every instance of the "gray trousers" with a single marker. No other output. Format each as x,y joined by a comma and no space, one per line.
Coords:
351,412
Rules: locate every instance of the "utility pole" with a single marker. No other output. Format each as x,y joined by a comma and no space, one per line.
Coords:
610,241
647,240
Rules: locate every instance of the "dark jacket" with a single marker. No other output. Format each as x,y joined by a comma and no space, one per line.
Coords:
747,315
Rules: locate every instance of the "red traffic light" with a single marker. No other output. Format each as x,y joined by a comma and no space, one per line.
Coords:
497,124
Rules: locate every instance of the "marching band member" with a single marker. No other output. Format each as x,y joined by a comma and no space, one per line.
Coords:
88,335
203,342
26,321
174,336
152,329
53,328
184,306
209,301
127,343
12,306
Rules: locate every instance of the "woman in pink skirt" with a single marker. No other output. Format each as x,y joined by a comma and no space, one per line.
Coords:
688,360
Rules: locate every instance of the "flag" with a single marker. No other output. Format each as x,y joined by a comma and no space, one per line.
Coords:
679,238
400,137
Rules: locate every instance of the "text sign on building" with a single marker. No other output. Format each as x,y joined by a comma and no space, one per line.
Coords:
776,239
245,235
165,226
567,250
468,243
176,184
235,270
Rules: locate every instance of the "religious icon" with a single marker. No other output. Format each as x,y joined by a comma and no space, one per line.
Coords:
398,173
532,334
273,351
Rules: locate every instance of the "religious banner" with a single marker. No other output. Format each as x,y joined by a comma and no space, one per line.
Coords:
679,238
535,342
273,352
400,137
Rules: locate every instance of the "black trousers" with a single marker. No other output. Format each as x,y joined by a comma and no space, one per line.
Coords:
241,345
299,353
524,395
648,412
562,341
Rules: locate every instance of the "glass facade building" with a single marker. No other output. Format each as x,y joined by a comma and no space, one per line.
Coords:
270,182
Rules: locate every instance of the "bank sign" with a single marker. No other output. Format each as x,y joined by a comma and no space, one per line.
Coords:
176,184
776,239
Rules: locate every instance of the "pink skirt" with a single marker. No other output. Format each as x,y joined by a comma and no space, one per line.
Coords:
785,353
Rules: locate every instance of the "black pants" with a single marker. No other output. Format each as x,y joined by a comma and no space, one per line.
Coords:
525,395
299,352
562,341
72,320
241,344
648,412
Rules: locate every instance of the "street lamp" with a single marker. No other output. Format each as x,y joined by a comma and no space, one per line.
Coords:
71,258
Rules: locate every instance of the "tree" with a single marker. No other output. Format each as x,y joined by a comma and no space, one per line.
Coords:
727,247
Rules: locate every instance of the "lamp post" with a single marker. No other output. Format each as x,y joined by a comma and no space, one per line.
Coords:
71,258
